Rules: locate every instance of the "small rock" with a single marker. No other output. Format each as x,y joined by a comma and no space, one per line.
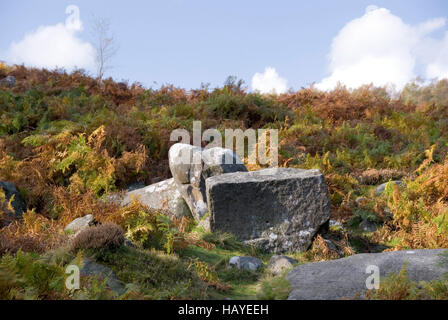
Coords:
336,224
92,268
129,243
246,263
18,204
9,81
278,264
331,245
380,189
388,213
368,226
80,224
360,200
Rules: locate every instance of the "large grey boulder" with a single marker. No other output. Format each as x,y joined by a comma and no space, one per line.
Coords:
346,277
191,166
277,210
17,204
162,196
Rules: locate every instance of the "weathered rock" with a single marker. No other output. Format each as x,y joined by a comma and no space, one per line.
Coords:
278,264
191,166
335,224
129,243
17,204
80,224
380,189
9,81
331,245
277,210
368,226
162,196
346,277
360,200
92,268
246,263
135,186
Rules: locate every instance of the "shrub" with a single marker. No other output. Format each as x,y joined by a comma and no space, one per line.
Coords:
107,236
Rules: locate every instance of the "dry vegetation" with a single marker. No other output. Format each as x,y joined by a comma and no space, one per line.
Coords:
66,143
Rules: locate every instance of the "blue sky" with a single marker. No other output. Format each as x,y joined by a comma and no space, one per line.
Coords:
189,42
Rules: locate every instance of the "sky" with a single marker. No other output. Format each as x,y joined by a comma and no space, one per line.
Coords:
272,45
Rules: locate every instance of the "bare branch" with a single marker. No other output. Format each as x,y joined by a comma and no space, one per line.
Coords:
105,45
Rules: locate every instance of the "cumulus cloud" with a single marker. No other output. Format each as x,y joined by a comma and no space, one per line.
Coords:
438,67
380,48
55,45
269,82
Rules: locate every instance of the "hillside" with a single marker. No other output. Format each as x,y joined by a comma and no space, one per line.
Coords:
67,143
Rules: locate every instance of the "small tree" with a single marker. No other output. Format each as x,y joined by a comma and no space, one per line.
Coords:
105,45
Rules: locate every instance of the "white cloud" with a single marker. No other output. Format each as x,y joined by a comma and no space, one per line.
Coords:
438,67
380,48
269,82
55,46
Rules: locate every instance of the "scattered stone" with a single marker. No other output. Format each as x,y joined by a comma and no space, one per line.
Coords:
360,200
92,268
17,204
380,189
331,245
162,196
336,224
129,243
80,224
346,277
388,213
277,210
246,263
368,226
278,264
9,82
191,166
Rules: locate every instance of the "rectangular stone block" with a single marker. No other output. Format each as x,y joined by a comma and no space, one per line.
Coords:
277,210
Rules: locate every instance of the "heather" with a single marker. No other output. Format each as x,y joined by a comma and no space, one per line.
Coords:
68,141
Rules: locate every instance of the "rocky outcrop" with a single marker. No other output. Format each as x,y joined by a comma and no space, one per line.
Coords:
191,166
17,204
346,277
163,196
277,210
